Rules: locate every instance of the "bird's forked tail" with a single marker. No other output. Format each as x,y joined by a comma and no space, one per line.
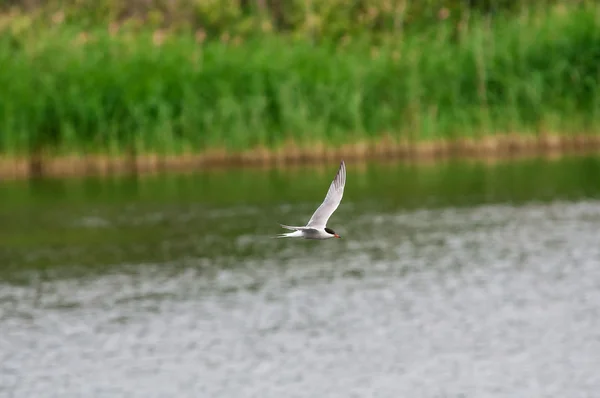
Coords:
290,227
295,234
286,235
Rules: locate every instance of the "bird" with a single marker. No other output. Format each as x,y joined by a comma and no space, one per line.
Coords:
317,225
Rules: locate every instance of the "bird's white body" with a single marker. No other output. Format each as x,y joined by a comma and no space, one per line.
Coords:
317,226
308,233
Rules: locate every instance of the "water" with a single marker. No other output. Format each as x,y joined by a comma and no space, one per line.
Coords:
453,280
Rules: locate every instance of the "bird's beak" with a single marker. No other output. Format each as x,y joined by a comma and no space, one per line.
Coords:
337,236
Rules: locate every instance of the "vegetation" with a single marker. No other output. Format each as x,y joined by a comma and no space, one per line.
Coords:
299,18
113,80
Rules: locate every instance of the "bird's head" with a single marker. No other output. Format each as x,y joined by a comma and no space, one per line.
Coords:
332,232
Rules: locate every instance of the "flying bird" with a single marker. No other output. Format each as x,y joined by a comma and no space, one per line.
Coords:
317,225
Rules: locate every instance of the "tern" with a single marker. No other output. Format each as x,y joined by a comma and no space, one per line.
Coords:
317,225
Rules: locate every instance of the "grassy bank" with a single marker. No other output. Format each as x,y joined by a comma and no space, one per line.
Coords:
316,20
99,91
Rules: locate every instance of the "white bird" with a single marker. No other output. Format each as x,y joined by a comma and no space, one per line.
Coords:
317,225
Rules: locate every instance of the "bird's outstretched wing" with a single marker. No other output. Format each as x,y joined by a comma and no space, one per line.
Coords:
332,200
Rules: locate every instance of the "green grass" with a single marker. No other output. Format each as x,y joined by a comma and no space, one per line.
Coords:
119,93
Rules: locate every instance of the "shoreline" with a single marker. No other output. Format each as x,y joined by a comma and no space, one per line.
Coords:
486,148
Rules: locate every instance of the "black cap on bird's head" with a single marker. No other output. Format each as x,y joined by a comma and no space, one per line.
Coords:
332,232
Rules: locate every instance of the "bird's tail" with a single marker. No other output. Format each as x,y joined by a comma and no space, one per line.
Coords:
289,227
286,235
297,232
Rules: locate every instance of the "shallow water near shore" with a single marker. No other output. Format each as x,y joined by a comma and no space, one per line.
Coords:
458,279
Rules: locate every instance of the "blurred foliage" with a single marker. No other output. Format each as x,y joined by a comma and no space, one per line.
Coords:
331,19
88,74
70,90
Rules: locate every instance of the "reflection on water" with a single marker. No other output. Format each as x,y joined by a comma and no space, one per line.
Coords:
459,280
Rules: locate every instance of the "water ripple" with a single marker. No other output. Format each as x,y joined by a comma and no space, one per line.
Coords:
485,301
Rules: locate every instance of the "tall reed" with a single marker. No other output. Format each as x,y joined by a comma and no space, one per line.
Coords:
65,90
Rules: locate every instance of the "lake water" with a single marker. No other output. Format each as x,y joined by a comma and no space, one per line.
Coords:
458,279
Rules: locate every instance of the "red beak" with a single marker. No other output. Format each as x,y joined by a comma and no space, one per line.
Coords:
337,236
